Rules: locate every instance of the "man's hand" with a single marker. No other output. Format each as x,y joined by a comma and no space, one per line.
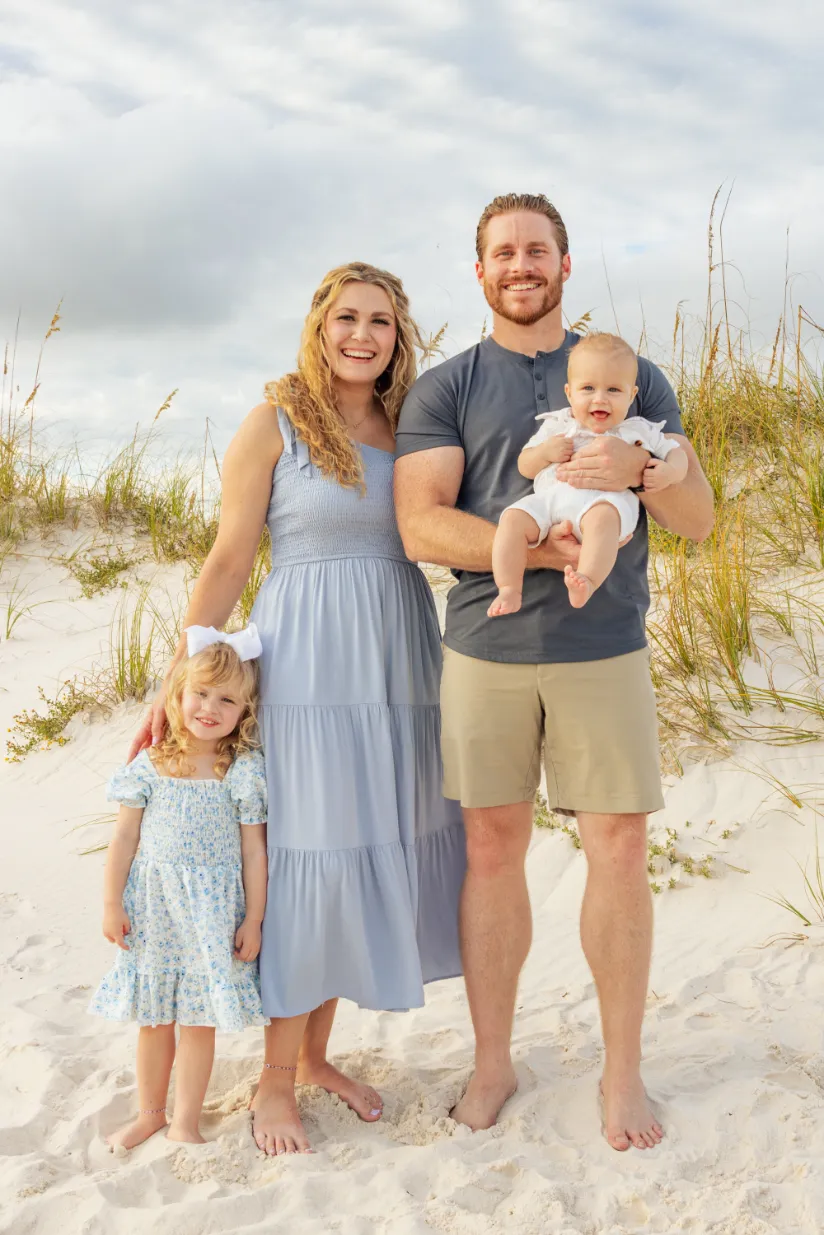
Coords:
607,463
560,549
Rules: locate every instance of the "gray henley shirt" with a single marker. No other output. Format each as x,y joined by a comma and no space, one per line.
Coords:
485,400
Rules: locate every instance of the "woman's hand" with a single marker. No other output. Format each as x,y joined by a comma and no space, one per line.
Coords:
116,924
152,727
247,940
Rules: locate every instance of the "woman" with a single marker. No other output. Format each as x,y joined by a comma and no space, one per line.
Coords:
366,858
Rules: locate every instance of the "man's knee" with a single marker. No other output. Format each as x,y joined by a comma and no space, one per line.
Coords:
497,838
618,842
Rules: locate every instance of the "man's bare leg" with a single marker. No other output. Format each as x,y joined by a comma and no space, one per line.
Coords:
315,1069
496,931
616,933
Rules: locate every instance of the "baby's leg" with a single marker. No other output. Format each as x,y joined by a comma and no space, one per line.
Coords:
155,1056
195,1056
516,532
600,533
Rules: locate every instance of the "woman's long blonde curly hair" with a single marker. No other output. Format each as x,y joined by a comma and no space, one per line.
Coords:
216,665
308,396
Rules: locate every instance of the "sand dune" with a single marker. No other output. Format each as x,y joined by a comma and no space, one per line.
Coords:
733,1036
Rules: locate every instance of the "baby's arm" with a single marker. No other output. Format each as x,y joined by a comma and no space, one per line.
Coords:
533,459
122,848
661,473
255,880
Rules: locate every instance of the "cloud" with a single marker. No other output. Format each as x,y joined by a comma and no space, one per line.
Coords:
185,173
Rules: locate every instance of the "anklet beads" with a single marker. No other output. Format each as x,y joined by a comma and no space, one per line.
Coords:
156,1110
280,1067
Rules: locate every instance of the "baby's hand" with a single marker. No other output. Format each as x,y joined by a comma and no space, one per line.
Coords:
116,924
247,940
557,449
658,475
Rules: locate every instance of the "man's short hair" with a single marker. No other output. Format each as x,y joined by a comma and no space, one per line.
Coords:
508,203
606,344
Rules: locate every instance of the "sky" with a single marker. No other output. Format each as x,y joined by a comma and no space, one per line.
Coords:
182,174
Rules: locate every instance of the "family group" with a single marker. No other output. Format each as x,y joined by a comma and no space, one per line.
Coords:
336,802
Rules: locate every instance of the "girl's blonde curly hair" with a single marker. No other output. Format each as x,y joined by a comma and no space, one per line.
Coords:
216,665
307,395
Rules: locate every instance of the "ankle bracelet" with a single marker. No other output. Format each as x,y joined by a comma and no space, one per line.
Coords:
155,1110
280,1067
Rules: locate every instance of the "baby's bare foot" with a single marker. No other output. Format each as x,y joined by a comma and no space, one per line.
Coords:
508,600
580,587
365,1101
138,1131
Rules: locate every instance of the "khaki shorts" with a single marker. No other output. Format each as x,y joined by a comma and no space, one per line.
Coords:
595,720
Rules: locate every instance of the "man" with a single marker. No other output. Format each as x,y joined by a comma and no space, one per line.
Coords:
575,680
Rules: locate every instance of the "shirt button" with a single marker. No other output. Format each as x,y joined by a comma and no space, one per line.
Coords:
539,377
542,396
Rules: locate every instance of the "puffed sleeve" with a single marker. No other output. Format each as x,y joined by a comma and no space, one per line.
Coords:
246,782
646,433
553,424
132,785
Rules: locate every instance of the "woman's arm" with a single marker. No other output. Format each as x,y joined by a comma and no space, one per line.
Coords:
122,848
246,489
255,879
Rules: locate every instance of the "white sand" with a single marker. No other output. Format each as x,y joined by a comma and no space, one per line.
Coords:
733,1036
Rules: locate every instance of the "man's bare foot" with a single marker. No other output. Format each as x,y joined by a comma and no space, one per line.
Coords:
137,1132
508,600
483,1101
365,1101
580,587
276,1125
188,1134
626,1115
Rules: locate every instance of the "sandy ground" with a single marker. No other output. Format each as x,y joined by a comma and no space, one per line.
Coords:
733,1039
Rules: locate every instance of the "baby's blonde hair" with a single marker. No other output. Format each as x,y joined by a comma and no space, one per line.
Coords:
216,665
605,344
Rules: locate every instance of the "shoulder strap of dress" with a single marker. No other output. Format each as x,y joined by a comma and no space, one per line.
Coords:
293,443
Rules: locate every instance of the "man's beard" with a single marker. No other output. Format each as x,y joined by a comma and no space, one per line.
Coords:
525,316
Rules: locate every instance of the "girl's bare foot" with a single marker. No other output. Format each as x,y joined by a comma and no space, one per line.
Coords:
365,1101
182,1132
508,600
580,587
276,1124
138,1131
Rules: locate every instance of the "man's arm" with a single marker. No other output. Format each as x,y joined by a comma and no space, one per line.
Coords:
687,509
426,489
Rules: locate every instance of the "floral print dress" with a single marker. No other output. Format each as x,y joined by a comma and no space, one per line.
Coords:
184,899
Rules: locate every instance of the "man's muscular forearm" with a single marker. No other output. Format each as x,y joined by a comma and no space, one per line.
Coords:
445,536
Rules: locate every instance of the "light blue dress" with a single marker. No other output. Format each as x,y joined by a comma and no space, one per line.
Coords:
366,857
184,899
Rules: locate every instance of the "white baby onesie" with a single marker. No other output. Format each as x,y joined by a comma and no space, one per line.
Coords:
554,500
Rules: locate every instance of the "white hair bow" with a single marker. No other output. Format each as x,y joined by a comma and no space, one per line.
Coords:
246,642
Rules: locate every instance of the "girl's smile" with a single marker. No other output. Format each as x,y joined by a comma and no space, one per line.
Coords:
210,712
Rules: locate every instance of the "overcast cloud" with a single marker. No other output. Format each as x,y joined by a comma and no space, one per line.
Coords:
184,173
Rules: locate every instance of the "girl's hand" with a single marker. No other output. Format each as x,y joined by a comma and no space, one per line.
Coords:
247,940
557,449
116,924
152,727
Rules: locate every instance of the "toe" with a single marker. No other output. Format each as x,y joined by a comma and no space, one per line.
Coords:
637,1140
280,1145
619,1141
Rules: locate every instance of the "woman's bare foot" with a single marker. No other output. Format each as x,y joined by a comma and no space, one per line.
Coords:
137,1132
626,1115
580,587
276,1125
483,1101
508,600
365,1101
187,1134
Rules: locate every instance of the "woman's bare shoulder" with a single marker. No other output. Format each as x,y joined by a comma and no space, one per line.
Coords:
259,434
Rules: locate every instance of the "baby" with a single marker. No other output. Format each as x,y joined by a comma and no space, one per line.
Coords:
601,375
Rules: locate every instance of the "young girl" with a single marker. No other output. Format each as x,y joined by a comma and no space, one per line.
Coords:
190,839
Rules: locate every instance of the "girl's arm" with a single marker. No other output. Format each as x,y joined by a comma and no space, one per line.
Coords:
122,848
533,459
255,880
246,488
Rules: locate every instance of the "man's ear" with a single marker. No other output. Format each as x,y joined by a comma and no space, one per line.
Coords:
479,272
566,267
